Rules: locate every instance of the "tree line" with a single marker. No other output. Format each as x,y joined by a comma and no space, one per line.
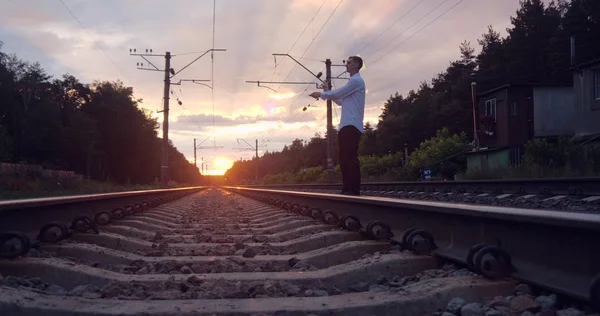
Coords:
99,129
537,50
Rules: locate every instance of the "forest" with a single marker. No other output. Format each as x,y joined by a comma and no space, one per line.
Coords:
98,130
101,131
435,120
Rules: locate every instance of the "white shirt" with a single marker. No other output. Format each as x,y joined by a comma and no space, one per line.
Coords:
352,99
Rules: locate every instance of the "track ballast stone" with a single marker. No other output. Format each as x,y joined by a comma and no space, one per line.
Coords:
530,201
216,253
524,301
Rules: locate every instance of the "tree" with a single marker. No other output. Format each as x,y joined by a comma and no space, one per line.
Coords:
368,142
492,61
439,154
536,50
97,129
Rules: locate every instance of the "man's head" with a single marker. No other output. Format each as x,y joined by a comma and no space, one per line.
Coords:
354,64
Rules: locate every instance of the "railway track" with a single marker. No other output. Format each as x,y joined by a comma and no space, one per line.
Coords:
242,251
581,186
565,194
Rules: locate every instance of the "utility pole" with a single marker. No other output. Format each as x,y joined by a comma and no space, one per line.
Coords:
330,173
164,162
254,148
326,85
195,163
169,73
474,101
203,147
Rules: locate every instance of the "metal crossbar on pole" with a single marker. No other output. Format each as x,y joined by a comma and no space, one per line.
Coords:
253,148
326,85
169,73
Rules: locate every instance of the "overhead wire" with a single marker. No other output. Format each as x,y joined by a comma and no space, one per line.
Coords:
405,40
406,29
390,26
313,40
419,30
308,58
289,50
212,70
179,97
306,49
96,43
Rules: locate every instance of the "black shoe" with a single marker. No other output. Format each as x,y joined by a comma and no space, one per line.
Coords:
353,193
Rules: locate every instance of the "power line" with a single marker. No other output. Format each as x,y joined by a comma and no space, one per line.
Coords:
299,36
290,117
406,29
419,30
307,25
312,41
307,58
289,50
310,44
212,71
95,42
391,25
184,54
322,27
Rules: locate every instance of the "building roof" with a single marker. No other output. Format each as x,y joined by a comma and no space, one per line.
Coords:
589,63
522,85
588,138
485,150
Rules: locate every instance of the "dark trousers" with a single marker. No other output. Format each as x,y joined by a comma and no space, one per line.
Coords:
348,140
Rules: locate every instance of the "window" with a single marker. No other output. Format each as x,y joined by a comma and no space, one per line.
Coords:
490,107
596,84
513,109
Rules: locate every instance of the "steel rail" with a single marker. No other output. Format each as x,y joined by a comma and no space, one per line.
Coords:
552,249
28,215
549,186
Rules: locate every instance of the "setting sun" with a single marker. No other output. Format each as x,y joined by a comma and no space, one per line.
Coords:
219,166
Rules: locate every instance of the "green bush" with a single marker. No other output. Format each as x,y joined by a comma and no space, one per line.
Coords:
437,153
308,175
373,166
542,159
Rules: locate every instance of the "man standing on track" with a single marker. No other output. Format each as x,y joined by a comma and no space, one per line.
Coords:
351,98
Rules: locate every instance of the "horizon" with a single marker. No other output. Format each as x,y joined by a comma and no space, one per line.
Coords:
91,40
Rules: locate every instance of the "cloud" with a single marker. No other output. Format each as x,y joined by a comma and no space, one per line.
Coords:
251,31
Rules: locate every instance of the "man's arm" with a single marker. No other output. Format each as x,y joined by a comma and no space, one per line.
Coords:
338,94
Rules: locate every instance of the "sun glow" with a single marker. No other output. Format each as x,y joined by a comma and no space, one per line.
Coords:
218,166
282,96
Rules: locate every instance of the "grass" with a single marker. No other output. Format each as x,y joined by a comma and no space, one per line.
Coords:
395,174
527,172
28,185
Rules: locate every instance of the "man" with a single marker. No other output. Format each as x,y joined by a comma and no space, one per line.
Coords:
351,98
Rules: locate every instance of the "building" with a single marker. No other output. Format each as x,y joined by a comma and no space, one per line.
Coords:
586,93
513,114
519,113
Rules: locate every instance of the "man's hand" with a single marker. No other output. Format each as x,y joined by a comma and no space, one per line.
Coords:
315,94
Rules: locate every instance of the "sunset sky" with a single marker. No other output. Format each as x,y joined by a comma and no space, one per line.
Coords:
399,47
